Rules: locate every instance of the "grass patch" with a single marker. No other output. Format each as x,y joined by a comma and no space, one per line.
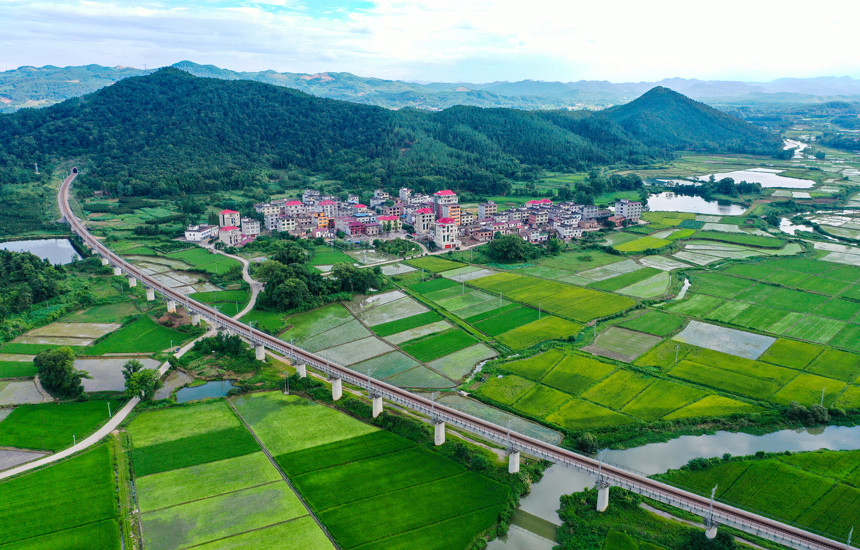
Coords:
547,328
143,335
433,347
541,401
575,373
577,414
407,323
50,426
654,322
71,504
289,423
211,446
792,354
204,480
506,389
433,263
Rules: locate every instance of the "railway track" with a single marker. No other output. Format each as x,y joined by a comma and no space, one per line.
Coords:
608,475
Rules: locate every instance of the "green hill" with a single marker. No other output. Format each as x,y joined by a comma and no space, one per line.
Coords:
171,132
664,118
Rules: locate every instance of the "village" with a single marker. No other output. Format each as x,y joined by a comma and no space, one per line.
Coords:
437,220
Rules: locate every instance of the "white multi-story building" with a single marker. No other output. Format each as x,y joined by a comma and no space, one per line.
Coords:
487,209
250,226
268,208
230,235
404,194
197,233
270,221
294,208
423,220
589,212
229,218
445,235
284,223
632,210
329,208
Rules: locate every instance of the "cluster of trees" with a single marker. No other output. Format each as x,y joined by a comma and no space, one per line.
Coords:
396,247
140,382
57,372
293,284
513,249
725,186
170,133
25,280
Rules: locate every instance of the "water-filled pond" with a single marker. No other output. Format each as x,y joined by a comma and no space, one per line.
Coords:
670,202
57,251
218,388
766,177
654,458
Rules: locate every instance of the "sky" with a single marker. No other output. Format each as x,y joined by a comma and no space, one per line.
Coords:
446,40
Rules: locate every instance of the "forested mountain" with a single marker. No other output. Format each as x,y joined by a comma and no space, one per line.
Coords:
41,86
664,118
171,132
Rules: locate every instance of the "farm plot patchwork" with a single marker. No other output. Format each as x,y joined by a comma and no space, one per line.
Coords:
71,504
203,260
227,490
735,342
383,472
142,335
654,322
433,263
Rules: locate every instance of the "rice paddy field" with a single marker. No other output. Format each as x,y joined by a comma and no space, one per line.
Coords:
801,298
51,426
576,392
348,471
815,490
142,335
207,482
71,504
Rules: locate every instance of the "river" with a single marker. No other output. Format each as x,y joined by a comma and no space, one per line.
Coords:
655,458
671,202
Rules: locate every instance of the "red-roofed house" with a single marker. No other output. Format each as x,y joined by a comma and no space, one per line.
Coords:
329,208
356,208
294,208
422,220
444,201
227,218
446,233
230,235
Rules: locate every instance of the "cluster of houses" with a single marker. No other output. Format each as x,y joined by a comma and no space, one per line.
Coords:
436,217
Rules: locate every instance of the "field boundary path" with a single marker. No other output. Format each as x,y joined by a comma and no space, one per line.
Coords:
256,286
608,474
283,474
102,432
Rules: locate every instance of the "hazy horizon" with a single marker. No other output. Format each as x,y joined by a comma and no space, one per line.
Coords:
441,40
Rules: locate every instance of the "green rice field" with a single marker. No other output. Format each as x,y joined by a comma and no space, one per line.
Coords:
814,490
51,426
71,504
433,263
203,260
141,335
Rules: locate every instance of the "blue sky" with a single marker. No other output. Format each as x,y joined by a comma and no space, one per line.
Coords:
445,40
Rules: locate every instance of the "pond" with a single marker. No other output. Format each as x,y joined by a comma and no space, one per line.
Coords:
654,458
786,226
218,388
671,202
57,251
766,177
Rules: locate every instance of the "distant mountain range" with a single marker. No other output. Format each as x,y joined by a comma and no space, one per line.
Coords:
43,86
170,132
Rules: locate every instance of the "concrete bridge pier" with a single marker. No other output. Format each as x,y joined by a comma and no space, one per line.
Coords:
711,531
117,271
260,351
439,436
302,370
336,388
105,261
195,317
602,496
132,282
171,308
150,295
377,404
513,461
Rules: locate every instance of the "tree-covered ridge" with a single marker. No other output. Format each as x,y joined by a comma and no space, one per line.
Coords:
25,280
664,118
171,132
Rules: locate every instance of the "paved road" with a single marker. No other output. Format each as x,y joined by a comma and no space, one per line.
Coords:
102,432
256,286
725,514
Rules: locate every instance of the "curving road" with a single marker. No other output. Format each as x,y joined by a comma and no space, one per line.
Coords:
723,514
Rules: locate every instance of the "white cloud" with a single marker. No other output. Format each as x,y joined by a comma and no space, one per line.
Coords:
478,40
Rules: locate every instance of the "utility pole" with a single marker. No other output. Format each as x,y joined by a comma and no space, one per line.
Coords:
109,413
710,519
677,347
538,311
822,397
37,168
850,533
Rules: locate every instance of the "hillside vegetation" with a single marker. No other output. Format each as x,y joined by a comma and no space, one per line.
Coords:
170,132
